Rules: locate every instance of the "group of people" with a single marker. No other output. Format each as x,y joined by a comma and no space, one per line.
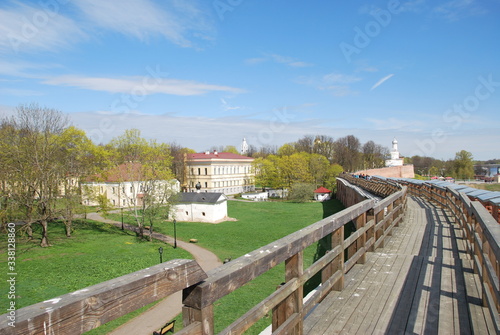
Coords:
362,176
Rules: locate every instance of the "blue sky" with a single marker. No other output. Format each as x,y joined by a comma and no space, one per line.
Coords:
208,73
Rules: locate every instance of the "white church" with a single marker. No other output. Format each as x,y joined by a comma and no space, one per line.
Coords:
395,160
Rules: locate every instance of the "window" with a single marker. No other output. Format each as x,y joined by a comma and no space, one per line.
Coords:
206,171
206,185
131,189
199,171
203,213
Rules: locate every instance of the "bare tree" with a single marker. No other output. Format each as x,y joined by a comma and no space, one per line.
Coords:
347,150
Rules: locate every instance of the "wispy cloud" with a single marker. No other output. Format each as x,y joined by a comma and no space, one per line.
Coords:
455,10
31,28
227,107
381,81
280,59
396,124
39,27
143,19
337,84
140,85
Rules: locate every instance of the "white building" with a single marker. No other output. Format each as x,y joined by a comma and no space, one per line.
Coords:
201,207
123,187
395,159
222,172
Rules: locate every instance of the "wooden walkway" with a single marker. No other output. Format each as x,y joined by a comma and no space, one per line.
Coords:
421,282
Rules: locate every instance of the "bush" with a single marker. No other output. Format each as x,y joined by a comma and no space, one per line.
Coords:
302,192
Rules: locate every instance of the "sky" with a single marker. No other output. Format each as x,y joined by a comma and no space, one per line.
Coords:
210,73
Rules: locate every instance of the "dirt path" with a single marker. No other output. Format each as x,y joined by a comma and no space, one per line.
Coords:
154,318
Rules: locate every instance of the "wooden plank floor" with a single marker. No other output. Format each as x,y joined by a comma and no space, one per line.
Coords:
421,282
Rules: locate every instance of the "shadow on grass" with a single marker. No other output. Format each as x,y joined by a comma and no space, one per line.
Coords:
330,207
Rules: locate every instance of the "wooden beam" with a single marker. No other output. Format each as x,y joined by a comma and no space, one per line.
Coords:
88,308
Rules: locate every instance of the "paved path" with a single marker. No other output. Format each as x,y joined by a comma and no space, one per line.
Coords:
154,318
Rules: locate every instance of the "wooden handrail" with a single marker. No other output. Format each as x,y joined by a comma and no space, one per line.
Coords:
482,234
86,309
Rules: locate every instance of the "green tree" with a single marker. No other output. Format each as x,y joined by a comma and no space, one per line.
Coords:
148,166
32,155
463,165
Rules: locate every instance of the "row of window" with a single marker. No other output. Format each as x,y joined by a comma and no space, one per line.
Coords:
222,170
225,183
113,189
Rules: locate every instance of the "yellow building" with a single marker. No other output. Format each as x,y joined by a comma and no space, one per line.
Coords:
222,172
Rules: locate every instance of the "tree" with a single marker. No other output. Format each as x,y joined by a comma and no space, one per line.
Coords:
373,155
347,151
463,165
324,145
179,163
267,173
32,154
80,158
147,166
287,149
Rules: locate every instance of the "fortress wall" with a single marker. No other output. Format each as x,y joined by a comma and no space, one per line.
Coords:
405,171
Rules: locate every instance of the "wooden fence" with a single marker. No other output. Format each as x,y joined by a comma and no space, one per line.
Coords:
482,233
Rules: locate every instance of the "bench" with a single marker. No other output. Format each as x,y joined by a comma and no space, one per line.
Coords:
169,327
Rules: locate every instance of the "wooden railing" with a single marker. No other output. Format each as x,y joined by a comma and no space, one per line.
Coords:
80,311
482,234
86,309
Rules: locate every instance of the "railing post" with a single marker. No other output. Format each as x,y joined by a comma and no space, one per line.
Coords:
204,315
338,263
379,232
294,268
360,222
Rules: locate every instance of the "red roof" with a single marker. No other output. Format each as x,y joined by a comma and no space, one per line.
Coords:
322,190
217,155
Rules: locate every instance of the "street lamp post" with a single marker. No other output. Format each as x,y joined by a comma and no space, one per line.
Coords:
160,250
175,234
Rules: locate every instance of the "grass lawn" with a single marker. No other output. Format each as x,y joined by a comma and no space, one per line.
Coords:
97,252
486,186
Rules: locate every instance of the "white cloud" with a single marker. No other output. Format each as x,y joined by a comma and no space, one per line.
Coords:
455,10
227,107
30,28
140,85
396,124
337,84
143,19
280,59
381,81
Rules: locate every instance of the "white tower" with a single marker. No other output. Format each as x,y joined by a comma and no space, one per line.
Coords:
244,147
394,160
394,151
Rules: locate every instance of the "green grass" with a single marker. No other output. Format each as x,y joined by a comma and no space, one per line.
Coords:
486,186
105,252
